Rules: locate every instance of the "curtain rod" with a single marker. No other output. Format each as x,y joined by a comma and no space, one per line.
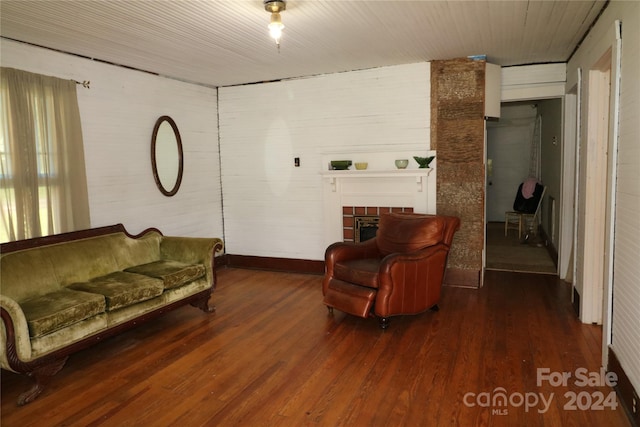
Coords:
84,83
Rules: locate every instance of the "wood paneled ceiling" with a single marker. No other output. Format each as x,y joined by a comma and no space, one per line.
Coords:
221,43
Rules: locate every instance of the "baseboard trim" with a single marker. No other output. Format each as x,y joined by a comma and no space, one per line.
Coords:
576,301
553,252
624,389
462,278
453,276
289,265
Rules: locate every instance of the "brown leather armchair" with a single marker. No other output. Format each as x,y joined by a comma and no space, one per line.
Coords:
400,271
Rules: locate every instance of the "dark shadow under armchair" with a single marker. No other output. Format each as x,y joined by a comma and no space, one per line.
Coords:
400,271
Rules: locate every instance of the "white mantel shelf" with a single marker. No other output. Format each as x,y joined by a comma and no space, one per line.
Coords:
419,174
376,173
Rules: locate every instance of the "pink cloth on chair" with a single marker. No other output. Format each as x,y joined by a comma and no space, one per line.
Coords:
528,187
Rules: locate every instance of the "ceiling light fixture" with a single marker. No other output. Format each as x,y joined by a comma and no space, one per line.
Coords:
275,23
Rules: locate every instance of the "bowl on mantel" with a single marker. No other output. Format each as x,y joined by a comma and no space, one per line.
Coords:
361,165
402,163
340,165
423,162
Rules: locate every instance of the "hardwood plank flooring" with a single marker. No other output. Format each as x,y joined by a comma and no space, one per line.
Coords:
271,355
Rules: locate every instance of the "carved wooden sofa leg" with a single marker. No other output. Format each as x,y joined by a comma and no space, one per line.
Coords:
42,375
203,304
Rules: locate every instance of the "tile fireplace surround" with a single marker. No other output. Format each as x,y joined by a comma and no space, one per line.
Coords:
409,190
351,215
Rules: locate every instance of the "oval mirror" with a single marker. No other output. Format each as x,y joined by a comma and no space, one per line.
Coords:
166,156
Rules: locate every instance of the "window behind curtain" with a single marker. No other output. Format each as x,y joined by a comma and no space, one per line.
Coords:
43,186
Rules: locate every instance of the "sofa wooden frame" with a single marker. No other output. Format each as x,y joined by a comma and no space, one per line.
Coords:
43,368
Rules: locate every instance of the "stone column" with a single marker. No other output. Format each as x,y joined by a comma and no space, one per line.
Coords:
457,135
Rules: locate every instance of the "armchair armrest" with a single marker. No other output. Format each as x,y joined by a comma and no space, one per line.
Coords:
345,251
396,260
411,282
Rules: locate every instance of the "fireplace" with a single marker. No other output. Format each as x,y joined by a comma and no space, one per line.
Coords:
351,193
360,223
365,227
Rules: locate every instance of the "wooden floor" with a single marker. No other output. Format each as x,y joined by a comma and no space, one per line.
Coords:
272,356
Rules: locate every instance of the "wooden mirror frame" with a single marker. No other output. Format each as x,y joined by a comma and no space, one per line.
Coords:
180,160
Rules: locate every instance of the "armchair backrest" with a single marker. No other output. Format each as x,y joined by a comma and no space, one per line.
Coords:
409,232
451,225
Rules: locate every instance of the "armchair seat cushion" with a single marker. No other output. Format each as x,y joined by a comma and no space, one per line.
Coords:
363,272
121,289
56,310
172,273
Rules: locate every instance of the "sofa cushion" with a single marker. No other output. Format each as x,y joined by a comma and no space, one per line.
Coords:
121,289
363,272
59,309
172,273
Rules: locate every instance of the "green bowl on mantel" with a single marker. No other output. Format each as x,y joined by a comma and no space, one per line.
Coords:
340,165
424,161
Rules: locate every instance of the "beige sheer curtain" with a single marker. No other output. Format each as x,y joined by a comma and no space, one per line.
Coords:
43,184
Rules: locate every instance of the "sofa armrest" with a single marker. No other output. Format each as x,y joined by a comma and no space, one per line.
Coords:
422,255
14,334
411,282
192,250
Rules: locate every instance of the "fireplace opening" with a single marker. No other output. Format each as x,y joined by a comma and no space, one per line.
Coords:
366,227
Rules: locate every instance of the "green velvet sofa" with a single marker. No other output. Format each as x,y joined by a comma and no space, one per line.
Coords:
62,293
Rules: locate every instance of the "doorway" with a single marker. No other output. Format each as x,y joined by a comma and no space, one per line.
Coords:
516,150
595,259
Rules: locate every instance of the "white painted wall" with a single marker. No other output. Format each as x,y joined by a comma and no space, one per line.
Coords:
567,205
508,147
118,114
551,165
275,209
529,82
625,326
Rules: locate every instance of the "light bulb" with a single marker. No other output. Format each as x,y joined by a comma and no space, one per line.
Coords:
275,27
